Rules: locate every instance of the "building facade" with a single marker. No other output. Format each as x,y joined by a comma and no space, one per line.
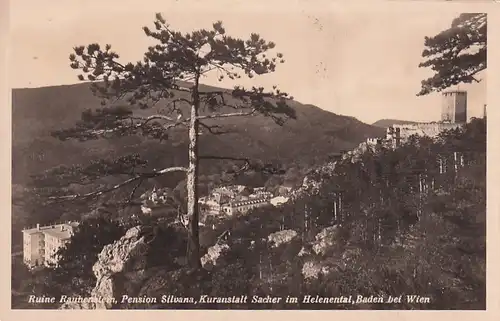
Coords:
403,132
242,207
40,244
235,198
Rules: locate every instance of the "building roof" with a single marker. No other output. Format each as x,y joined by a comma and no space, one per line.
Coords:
32,231
248,202
57,233
54,230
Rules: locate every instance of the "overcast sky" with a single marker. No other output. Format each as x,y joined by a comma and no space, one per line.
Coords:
358,61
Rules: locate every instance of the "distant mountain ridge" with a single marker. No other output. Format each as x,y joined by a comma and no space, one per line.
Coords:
384,123
38,111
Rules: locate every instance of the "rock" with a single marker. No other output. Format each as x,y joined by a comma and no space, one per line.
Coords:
350,255
313,269
118,264
303,252
281,237
209,260
325,240
129,250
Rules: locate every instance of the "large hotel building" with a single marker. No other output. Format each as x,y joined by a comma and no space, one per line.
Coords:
40,244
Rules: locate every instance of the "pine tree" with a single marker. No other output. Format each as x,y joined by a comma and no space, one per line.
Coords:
170,75
456,54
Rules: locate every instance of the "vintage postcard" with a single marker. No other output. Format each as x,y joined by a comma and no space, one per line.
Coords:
225,155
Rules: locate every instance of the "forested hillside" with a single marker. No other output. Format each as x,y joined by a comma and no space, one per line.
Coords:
37,112
397,222
407,221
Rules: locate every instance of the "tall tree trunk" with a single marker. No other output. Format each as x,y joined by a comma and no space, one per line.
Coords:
260,265
455,162
379,231
335,220
192,184
306,219
341,213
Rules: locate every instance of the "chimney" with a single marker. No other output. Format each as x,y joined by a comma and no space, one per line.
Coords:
62,228
38,226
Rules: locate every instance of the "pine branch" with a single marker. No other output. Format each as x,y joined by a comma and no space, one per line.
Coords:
456,54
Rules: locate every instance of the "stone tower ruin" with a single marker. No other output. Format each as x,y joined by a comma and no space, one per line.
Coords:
454,108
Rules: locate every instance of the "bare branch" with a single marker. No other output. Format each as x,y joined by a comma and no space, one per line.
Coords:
152,117
475,79
185,89
214,93
131,197
224,158
250,113
187,101
139,176
213,129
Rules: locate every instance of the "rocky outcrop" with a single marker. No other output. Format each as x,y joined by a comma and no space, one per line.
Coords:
313,181
125,268
325,240
316,255
355,154
304,252
312,269
119,264
214,253
350,255
281,237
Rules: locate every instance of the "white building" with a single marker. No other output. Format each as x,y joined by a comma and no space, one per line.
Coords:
279,200
40,244
261,194
230,199
244,206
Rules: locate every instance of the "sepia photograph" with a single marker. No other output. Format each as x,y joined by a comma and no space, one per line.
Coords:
255,157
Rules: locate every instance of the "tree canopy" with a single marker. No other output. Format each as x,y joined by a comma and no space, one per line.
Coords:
457,54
